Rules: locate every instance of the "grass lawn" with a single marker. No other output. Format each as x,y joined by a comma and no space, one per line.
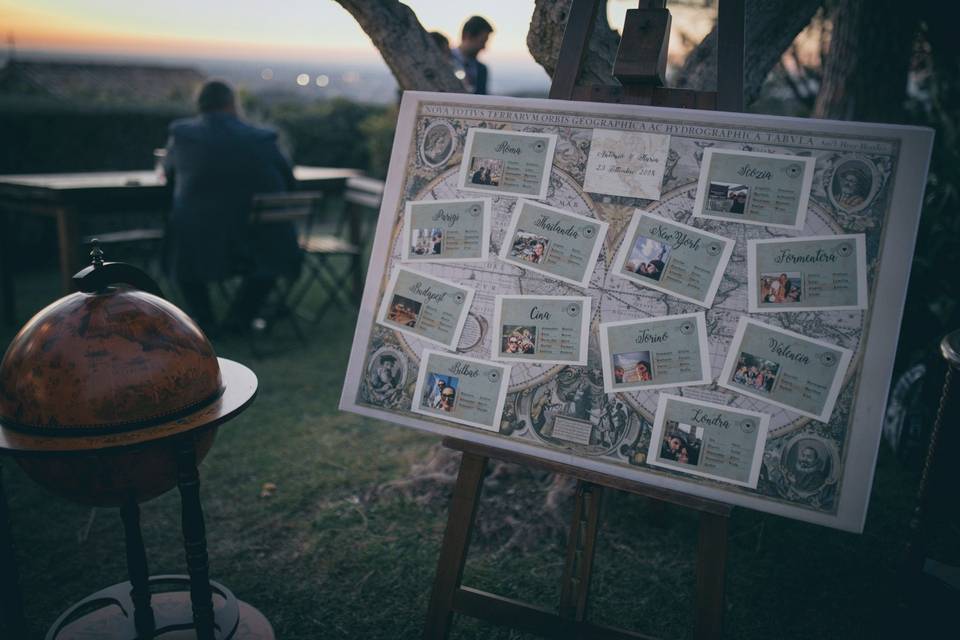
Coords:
323,560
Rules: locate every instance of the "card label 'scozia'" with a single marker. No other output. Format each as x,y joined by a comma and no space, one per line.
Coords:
674,258
807,274
544,329
785,368
708,440
459,389
769,189
670,351
511,163
447,230
425,306
554,242
624,163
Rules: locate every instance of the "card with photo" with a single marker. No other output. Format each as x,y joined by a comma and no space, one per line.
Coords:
447,230
674,258
785,368
508,163
750,187
425,306
459,389
807,274
554,242
708,440
655,353
544,329
626,163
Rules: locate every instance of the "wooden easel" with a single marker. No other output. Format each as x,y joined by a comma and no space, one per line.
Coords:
640,67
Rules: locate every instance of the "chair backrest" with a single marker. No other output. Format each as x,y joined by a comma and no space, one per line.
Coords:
362,197
298,207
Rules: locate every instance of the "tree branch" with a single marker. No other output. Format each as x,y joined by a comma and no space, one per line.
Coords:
546,33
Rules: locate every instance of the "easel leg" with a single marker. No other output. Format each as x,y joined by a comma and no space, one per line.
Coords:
711,563
456,541
194,538
137,569
581,543
11,599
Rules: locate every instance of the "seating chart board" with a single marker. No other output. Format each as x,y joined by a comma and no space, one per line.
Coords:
787,241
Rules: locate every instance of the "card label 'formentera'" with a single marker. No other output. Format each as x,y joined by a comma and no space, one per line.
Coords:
623,163
426,307
554,242
674,258
807,274
447,230
459,389
768,189
655,353
544,329
784,368
708,440
509,163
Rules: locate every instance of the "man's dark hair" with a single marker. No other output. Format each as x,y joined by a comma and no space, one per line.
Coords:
215,95
474,26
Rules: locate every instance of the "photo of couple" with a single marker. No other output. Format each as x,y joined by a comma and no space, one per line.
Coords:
529,247
758,374
681,443
632,367
440,392
404,311
486,171
727,197
648,258
518,340
426,242
780,288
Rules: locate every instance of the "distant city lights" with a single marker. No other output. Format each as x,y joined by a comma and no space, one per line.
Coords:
267,74
323,80
303,79
460,73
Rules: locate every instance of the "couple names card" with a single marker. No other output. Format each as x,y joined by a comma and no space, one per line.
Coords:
708,440
541,329
784,368
674,258
627,164
768,189
655,353
463,390
426,307
554,242
807,274
507,163
447,230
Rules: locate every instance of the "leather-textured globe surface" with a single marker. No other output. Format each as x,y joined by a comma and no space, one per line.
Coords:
113,360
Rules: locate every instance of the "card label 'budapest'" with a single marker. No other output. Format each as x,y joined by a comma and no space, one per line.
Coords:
807,274
554,242
769,189
785,368
447,230
673,258
669,351
425,306
510,163
625,163
544,329
708,440
459,389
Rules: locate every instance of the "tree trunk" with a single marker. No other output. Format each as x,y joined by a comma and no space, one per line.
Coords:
865,70
770,27
416,61
547,25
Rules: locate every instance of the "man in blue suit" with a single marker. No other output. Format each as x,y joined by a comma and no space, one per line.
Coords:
216,163
473,39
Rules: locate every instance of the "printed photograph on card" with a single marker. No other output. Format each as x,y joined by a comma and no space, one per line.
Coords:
424,306
655,353
554,242
447,230
674,258
750,187
462,390
510,163
807,274
708,440
627,164
785,369
544,329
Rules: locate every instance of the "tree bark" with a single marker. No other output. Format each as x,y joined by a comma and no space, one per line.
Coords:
546,33
866,67
415,60
770,27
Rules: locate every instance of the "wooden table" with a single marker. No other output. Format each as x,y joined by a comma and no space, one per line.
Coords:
67,196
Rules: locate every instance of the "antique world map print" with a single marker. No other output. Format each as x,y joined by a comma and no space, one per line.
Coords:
819,471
